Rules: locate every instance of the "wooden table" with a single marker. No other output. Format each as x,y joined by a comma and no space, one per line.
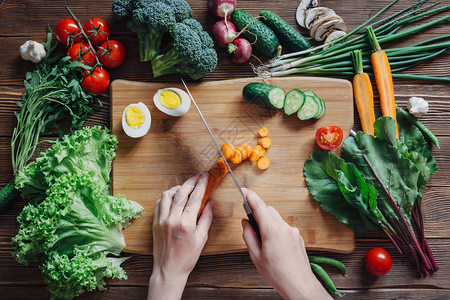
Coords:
231,276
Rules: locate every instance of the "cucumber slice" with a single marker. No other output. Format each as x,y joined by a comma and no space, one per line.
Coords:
293,102
309,109
264,94
323,110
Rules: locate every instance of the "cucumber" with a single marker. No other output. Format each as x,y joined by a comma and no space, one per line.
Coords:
309,109
293,102
264,94
288,36
262,37
322,108
7,195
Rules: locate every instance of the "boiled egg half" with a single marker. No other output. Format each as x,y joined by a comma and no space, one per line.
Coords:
136,120
172,101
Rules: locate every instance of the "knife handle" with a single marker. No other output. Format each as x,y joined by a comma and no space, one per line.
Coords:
252,221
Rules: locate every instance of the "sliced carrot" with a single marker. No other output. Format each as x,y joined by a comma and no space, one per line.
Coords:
257,152
263,132
265,142
237,157
227,150
216,173
248,149
263,163
243,152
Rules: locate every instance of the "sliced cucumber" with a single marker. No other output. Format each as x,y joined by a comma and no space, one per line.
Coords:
264,94
293,102
309,109
322,108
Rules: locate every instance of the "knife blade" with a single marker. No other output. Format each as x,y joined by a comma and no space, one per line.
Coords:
247,208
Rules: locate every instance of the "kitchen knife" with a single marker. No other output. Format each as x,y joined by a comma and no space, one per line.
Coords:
248,209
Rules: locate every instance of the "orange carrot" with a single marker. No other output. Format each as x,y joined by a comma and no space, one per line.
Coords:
363,92
227,150
265,142
237,157
263,132
248,150
243,152
383,77
257,152
263,163
216,173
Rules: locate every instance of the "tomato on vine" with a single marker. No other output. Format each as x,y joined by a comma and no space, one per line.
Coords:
97,30
111,54
68,32
95,81
82,52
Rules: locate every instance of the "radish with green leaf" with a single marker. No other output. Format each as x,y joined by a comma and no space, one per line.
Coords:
240,50
221,8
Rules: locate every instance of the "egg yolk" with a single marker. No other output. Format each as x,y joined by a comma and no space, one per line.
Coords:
169,99
134,117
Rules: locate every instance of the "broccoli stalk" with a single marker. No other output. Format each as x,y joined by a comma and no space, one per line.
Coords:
192,52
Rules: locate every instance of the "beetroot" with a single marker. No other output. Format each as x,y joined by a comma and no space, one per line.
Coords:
240,50
223,33
221,8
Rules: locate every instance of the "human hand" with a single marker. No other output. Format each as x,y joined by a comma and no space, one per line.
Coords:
280,257
178,239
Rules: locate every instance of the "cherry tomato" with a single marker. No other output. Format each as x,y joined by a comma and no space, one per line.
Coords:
81,52
329,137
96,81
378,261
97,31
68,32
111,53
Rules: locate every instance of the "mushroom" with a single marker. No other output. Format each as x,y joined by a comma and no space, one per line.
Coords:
337,34
302,9
322,21
326,28
317,13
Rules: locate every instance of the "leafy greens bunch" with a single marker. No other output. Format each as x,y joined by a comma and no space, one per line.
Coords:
72,226
53,92
192,50
378,185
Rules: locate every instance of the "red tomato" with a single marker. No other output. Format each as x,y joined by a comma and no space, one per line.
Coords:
97,31
96,82
68,32
111,53
329,137
81,52
378,261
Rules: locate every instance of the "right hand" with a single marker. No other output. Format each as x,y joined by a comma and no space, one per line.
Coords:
281,257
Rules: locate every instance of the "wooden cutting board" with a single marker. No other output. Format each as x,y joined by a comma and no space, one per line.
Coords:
177,148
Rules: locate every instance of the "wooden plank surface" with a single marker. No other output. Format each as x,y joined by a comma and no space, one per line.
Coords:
176,148
230,276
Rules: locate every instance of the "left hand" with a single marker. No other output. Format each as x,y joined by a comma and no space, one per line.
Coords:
178,239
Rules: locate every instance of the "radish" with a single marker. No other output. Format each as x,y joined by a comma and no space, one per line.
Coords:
224,32
221,8
240,50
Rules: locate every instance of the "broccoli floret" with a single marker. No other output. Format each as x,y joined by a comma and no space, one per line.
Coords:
192,52
150,20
